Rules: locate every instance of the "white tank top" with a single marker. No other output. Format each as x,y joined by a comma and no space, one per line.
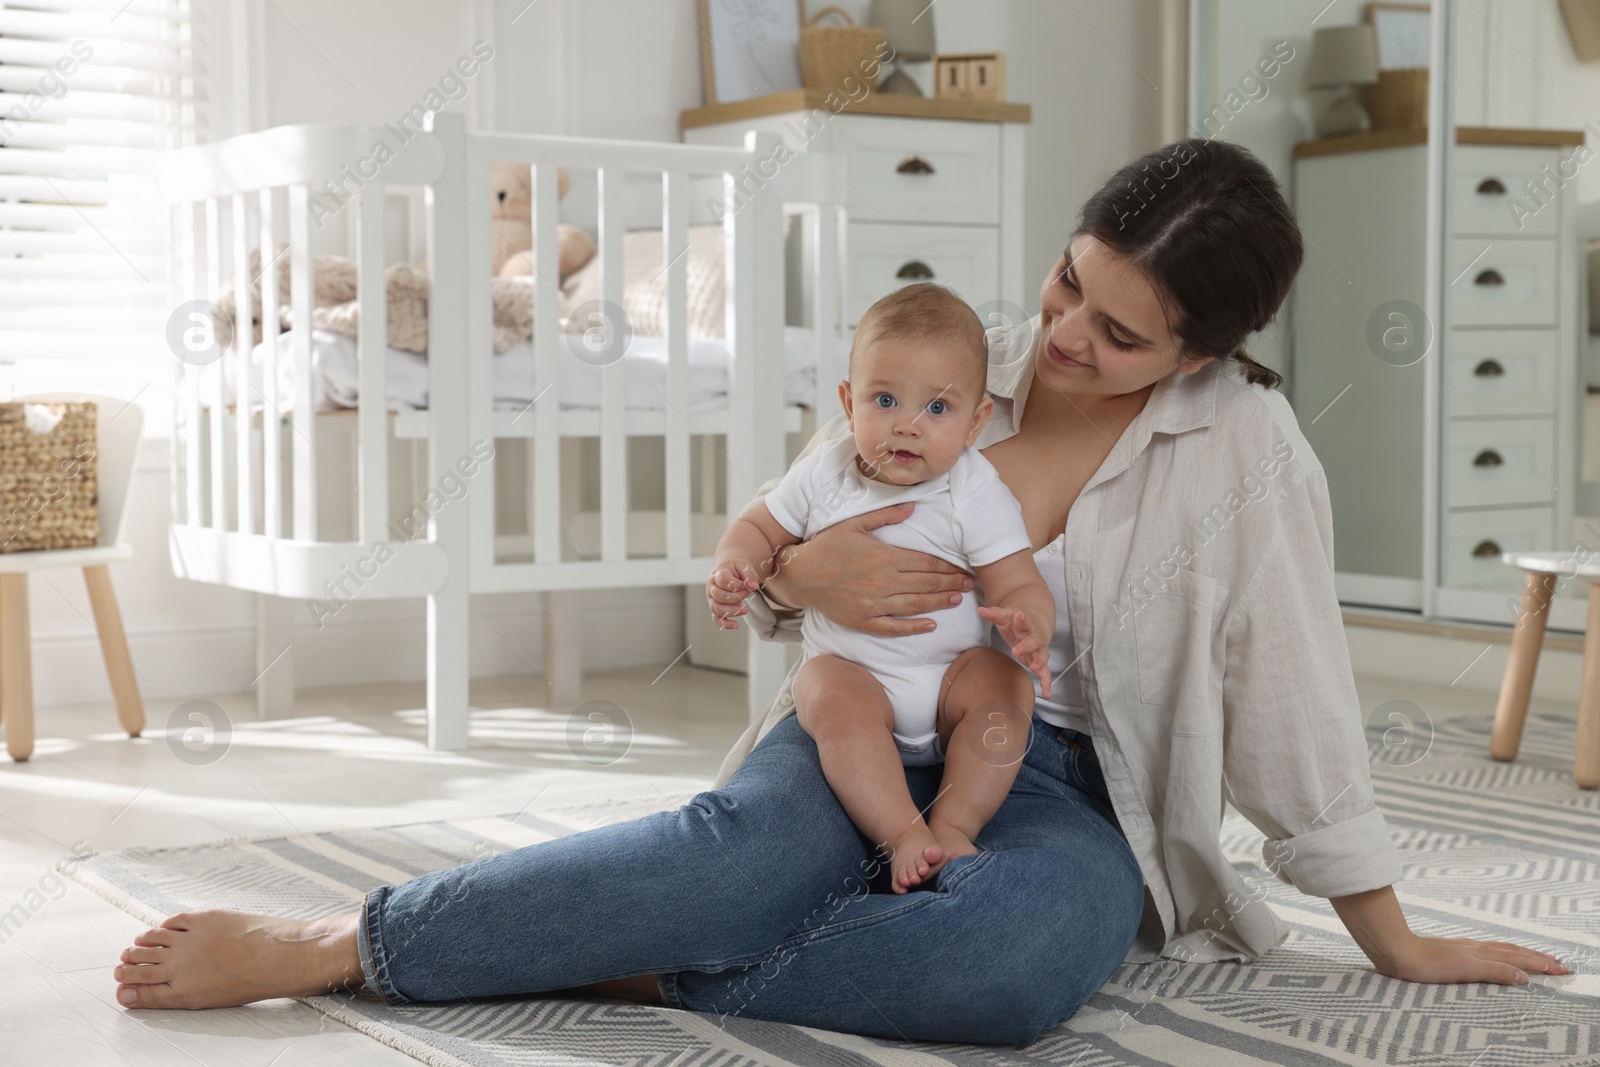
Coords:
1066,706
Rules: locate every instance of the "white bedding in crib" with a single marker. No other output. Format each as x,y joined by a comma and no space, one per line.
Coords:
335,384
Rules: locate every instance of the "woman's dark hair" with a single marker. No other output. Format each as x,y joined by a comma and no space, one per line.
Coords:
1206,222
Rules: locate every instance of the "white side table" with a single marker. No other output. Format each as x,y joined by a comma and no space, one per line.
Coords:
1540,570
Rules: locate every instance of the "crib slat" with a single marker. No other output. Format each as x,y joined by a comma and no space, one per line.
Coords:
304,418
271,424
175,296
764,288
218,457
243,343
546,478
827,222
675,255
372,416
189,243
739,238
613,395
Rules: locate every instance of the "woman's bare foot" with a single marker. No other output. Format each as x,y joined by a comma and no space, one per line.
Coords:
217,959
953,842
913,856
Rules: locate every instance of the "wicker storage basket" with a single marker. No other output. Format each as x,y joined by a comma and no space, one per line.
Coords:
1399,101
831,56
49,492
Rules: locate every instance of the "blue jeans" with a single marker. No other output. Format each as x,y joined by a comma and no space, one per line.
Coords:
761,899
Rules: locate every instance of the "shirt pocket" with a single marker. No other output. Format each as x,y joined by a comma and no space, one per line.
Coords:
1172,633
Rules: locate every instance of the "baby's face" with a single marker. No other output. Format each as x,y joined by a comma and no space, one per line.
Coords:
914,406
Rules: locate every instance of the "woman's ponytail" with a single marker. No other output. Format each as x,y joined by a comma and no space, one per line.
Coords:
1255,373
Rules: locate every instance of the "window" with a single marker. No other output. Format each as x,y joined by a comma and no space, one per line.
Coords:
90,92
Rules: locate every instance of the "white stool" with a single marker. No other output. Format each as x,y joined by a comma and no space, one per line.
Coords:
1539,585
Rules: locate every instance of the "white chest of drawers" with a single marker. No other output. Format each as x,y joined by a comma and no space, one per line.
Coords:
1508,382
935,187
1508,452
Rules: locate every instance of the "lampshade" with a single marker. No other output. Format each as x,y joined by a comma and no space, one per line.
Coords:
909,26
1343,55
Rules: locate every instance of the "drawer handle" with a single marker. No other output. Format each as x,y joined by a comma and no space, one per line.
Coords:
914,164
1489,368
1487,458
1489,277
1486,550
1491,187
914,270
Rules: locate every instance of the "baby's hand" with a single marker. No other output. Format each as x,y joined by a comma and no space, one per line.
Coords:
731,582
1029,641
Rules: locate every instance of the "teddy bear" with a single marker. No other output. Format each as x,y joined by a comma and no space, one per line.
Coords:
511,217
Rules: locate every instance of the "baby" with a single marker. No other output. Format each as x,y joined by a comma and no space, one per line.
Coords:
915,403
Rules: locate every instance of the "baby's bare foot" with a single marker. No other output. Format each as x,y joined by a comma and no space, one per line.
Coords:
914,855
216,959
952,841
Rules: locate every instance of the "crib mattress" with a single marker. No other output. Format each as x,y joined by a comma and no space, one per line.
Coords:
335,383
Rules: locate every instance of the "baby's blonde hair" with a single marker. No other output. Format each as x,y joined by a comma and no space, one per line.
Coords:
924,311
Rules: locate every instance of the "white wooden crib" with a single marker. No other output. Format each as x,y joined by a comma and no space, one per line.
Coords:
252,501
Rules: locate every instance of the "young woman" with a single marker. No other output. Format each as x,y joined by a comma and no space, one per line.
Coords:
1184,525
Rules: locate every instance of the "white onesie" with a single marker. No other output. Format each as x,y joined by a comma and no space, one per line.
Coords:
966,516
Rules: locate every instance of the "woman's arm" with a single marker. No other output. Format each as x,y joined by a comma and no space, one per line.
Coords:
861,583
1295,759
1376,922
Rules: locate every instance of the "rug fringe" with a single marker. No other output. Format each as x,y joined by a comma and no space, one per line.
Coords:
116,896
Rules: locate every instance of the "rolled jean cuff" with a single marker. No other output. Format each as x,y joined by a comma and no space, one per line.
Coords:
374,968
667,984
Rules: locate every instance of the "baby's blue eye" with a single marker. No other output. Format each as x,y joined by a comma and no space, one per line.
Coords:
938,407
883,400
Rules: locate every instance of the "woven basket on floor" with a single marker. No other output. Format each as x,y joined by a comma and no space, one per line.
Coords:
1399,101
840,57
49,492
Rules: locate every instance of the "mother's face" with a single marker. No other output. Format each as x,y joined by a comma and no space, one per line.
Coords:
1105,333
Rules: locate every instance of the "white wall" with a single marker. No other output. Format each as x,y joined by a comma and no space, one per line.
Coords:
605,68
1091,71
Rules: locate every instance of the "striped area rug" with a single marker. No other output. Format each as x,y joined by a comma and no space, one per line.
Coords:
1495,851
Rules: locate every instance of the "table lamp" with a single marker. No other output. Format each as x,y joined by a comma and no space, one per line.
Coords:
908,25
1343,57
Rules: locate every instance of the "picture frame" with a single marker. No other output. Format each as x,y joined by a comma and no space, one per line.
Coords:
749,48
1404,34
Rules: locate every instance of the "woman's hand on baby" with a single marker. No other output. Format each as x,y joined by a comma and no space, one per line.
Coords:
861,583
731,583
1029,639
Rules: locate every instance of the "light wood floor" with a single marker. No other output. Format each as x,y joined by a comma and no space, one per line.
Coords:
348,760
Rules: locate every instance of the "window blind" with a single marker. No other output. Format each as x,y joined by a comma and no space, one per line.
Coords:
90,92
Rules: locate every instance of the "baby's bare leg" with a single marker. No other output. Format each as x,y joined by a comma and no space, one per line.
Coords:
844,708
985,713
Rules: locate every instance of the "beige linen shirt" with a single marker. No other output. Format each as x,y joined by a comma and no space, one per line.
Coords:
1199,573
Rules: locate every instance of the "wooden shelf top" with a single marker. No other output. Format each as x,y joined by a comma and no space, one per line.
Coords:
896,104
1367,142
